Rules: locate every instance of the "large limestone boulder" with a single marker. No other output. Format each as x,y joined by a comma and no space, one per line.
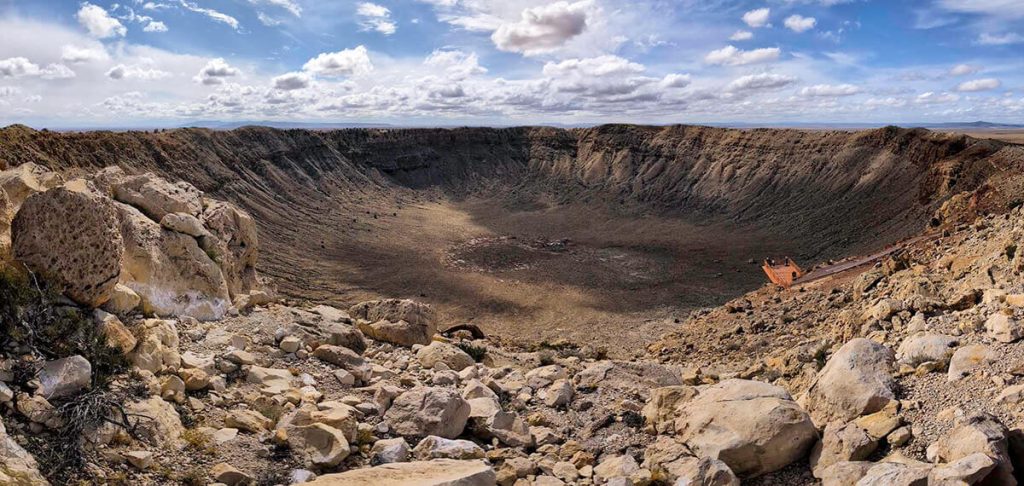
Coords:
424,411
17,466
438,472
660,411
157,197
753,427
169,271
70,236
234,243
856,381
25,180
978,433
401,322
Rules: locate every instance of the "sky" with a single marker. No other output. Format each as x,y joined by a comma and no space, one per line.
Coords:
149,63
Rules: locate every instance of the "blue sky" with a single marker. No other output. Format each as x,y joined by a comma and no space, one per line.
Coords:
500,62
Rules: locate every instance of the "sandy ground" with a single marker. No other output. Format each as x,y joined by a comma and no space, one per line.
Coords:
1012,136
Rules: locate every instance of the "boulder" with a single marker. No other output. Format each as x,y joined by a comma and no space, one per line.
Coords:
401,322
343,357
616,467
172,275
157,197
25,180
320,444
434,447
114,333
924,347
978,433
660,411
156,422
438,352
247,420
844,473
424,411
184,223
438,472
387,451
122,300
753,427
967,359
841,443
64,377
967,470
707,472
347,336
158,349
229,475
895,474
856,381
70,235
1003,328
668,459
17,466
234,243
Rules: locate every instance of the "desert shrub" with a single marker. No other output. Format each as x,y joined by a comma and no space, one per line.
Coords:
476,352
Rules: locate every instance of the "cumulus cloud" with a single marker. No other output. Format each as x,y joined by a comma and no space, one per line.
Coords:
757,18
292,81
829,90
799,23
455,63
56,71
77,55
543,29
375,17
606,78
987,39
963,70
17,67
155,26
731,56
122,71
348,62
676,81
932,98
741,35
215,72
763,81
99,23
979,85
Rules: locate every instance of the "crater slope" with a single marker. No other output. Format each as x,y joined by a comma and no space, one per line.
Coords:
603,236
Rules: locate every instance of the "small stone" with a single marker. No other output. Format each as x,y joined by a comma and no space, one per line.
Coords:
388,451
142,460
229,475
290,344
434,447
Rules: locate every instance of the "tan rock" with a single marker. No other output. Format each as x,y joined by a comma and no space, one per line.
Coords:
978,433
157,197
1003,328
25,180
158,349
64,377
17,466
969,358
753,427
855,381
247,420
434,447
424,411
438,352
923,347
660,411
227,474
841,443
402,322
236,245
438,472
123,300
70,235
114,332
321,444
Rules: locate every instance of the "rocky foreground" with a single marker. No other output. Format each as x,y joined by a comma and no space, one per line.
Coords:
908,374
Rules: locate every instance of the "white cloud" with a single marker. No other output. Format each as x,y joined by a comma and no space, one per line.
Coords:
676,81
211,13
17,66
292,81
932,98
741,35
543,29
987,39
979,85
763,81
99,23
963,70
215,72
290,5
799,23
267,20
348,62
155,26
455,63
122,71
8,91
731,56
757,18
76,55
375,17
56,71
828,90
